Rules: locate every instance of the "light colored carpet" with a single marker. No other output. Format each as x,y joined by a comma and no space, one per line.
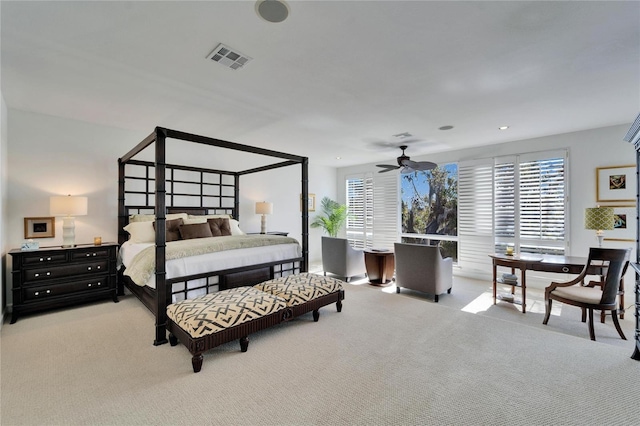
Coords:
385,359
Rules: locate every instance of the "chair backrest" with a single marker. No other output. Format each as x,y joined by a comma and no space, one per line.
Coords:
618,260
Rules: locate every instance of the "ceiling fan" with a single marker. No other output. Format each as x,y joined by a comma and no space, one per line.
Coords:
407,165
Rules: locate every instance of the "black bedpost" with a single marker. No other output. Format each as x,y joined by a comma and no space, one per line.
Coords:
161,239
121,208
236,196
633,136
305,215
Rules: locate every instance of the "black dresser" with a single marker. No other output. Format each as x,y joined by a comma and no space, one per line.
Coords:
54,277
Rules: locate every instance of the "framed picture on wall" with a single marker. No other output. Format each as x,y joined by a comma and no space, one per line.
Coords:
623,229
39,227
312,202
616,183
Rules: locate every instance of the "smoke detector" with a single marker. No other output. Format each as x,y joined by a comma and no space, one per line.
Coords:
229,57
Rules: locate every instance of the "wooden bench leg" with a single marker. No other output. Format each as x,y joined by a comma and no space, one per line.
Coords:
196,361
244,343
339,305
173,340
316,315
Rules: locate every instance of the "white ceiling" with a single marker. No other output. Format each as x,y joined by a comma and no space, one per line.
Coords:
337,78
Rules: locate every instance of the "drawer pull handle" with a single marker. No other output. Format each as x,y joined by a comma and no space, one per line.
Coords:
48,291
94,254
89,268
565,269
37,293
37,275
89,285
98,267
99,283
48,273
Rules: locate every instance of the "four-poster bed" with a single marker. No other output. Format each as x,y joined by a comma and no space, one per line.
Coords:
159,190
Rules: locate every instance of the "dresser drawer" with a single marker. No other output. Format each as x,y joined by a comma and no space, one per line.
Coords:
89,254
32,275
41,259
53,290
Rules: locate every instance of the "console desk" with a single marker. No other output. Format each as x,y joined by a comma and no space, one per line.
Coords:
542,263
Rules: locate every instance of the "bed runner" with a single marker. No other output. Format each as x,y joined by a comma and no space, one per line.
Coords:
143,264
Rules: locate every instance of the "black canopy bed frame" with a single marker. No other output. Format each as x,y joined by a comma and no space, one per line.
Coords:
216,192
633,136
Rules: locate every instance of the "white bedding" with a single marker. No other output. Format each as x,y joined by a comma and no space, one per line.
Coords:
211,261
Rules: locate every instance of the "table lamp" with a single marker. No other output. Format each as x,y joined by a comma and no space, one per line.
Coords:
264,209
68,207
600,219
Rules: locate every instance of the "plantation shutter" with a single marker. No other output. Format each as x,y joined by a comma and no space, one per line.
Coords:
359,228
475,215
542,202
386,206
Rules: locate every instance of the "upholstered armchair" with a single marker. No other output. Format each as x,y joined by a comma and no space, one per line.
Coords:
422,268
598,295
339,258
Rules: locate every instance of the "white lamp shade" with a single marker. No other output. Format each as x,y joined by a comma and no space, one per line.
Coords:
68,206
264,208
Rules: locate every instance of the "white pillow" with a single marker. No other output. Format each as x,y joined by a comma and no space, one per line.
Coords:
151,217
194,220
235,227
141,232
207,216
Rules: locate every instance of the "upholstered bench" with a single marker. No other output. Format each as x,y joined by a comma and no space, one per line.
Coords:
208,321
305,292
211,320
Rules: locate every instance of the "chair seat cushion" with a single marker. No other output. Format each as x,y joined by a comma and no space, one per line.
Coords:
215,312
300,288
578,293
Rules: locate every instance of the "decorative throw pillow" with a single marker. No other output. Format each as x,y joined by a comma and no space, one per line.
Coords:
173,229
219,226
141,232
235,227
195,230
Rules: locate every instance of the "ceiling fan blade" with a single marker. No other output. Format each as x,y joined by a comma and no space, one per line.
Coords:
406,170
423,165
387,168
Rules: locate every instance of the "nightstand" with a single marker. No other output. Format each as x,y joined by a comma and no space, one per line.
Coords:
53,277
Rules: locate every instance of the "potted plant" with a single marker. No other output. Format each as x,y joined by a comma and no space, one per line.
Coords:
333,216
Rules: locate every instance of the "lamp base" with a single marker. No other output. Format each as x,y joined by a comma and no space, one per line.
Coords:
263,224
68,232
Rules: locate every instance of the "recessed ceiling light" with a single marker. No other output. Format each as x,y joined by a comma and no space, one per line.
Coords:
338,158
445,127
272,10
503,127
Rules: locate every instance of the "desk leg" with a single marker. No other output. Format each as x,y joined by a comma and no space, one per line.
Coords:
495,282
524,290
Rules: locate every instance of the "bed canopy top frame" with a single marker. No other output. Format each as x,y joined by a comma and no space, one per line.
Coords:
161,208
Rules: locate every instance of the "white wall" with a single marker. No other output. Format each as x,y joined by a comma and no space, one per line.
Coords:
55,156
3,204
588,150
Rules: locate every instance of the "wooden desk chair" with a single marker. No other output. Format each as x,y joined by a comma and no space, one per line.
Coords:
593,295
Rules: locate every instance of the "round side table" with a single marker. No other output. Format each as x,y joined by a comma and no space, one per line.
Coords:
380,266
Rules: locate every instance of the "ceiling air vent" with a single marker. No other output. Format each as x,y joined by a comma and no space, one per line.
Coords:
228,57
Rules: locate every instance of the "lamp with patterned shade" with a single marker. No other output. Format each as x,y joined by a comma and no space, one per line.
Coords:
600,219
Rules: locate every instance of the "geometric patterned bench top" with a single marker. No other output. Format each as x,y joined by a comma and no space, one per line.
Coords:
300,288
214,312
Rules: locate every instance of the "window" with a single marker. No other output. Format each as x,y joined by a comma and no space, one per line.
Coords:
430,208
360,207
530,203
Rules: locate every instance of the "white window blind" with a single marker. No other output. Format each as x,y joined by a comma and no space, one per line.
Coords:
359,227
386,223
475,214
530,202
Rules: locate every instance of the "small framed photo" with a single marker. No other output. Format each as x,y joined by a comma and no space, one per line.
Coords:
623,229
312,202
617,184
39,227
